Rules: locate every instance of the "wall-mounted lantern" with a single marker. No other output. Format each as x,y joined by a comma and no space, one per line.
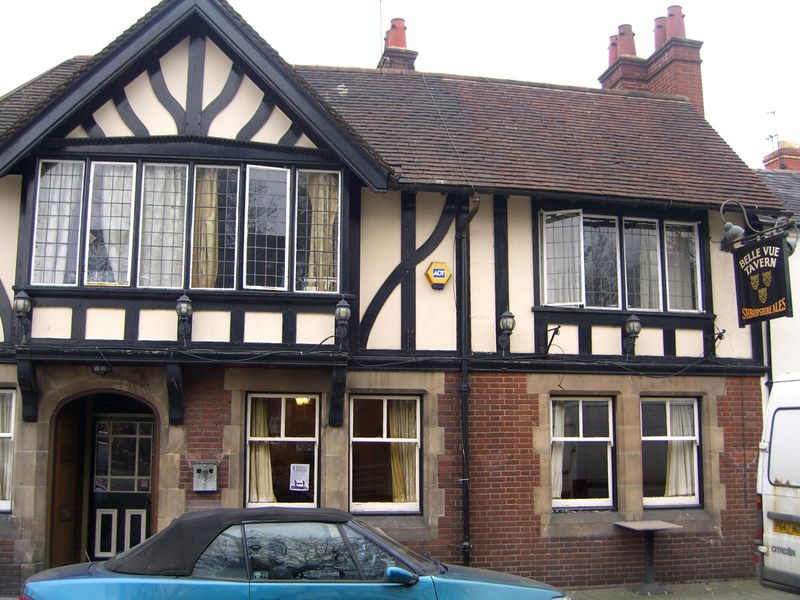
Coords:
507,324
633,327
184,309
342,314
22,309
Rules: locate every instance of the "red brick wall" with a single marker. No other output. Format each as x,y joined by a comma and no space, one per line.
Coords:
207,410
505,470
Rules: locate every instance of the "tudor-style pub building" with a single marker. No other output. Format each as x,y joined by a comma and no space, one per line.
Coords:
214,294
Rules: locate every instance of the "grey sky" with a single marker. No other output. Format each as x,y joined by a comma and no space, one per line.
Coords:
749,51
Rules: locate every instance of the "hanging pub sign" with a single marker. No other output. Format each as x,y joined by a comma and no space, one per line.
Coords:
762,280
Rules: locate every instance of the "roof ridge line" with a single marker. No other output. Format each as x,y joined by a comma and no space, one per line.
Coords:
482,78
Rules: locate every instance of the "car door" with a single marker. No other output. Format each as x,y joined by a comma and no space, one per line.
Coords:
294,561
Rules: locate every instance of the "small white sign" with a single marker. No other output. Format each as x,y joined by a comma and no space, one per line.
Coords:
298,478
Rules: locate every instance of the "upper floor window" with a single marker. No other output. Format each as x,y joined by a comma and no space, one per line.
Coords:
580,457
6,430
670,461
186,219
586,258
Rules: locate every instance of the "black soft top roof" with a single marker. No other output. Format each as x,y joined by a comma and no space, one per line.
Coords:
174,550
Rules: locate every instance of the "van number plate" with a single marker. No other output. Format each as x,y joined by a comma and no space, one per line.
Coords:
787,527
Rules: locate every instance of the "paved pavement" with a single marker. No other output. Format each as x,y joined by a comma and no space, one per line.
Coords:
736,589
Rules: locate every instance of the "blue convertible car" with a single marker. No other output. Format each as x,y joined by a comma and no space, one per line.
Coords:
264,553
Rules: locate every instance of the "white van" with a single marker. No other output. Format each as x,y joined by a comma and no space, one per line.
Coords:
779,486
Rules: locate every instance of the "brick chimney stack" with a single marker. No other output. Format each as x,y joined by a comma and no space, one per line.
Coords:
786,157
395,54
674,67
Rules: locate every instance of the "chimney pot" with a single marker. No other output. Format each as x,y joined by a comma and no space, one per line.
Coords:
396,35
395,54
625,43
660,31
675,25
613,53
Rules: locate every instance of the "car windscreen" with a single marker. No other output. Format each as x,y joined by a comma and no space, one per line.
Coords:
419,562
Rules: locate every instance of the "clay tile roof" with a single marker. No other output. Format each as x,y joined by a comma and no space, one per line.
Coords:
508,135
17,106
444,131
785,185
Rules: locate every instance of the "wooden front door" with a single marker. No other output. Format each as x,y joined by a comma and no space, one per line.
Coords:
121,492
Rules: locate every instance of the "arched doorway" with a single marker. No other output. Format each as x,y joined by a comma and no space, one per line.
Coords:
102,477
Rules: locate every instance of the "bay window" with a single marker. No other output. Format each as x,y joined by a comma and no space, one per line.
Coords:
317,219
188,226
586,259
683,276
384,453
6,431
214,229
282,438
267,227
108,241
163,223
581,464
642,264
58,223
670,461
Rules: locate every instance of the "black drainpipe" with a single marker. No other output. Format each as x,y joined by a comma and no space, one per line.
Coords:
462,235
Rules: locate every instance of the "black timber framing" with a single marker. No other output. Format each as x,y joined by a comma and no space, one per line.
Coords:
396,277
353,283
501,284
153,36
408,287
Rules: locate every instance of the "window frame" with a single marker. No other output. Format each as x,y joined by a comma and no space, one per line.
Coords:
338,230
284,396
140,199
139,165
245,230
5,505
659,266
607,502
236,263
672,501
386,507
81,223
132,221
581,269
618,264
697,270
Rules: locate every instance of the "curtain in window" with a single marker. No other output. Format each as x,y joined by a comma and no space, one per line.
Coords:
58,210
205,246
680,453
641,264
557,453
402,422
318,224
108,242
161,238
563,255
5,447
261,489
